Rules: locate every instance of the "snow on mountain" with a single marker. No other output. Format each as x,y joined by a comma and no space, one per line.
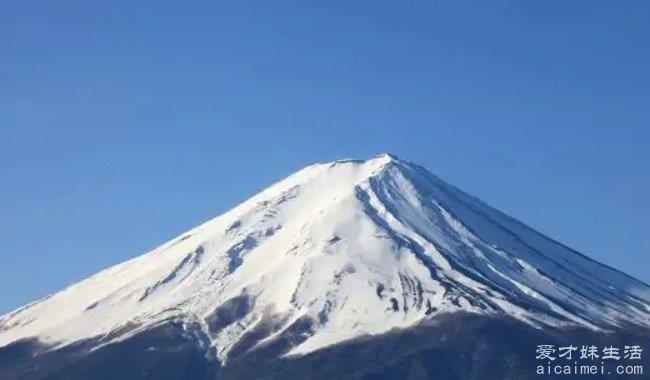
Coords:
350,248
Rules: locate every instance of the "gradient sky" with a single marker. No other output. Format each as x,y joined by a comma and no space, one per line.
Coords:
122,125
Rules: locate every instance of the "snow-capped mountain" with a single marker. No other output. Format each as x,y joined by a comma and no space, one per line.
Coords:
335,252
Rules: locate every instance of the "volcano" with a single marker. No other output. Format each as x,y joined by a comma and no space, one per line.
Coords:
355,269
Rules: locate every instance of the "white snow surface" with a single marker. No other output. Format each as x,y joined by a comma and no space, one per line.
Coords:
358,248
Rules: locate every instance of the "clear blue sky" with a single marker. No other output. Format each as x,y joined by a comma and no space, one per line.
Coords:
124,125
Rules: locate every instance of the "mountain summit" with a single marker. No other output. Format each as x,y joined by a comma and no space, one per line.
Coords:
335,253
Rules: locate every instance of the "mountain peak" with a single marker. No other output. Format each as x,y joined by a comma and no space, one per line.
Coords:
378,160
386,157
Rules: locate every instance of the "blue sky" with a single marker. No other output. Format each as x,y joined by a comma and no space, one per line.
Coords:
122,125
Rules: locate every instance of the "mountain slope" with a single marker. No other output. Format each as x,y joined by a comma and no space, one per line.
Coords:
336,252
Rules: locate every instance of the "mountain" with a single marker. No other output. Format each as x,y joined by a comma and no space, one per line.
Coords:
351,268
